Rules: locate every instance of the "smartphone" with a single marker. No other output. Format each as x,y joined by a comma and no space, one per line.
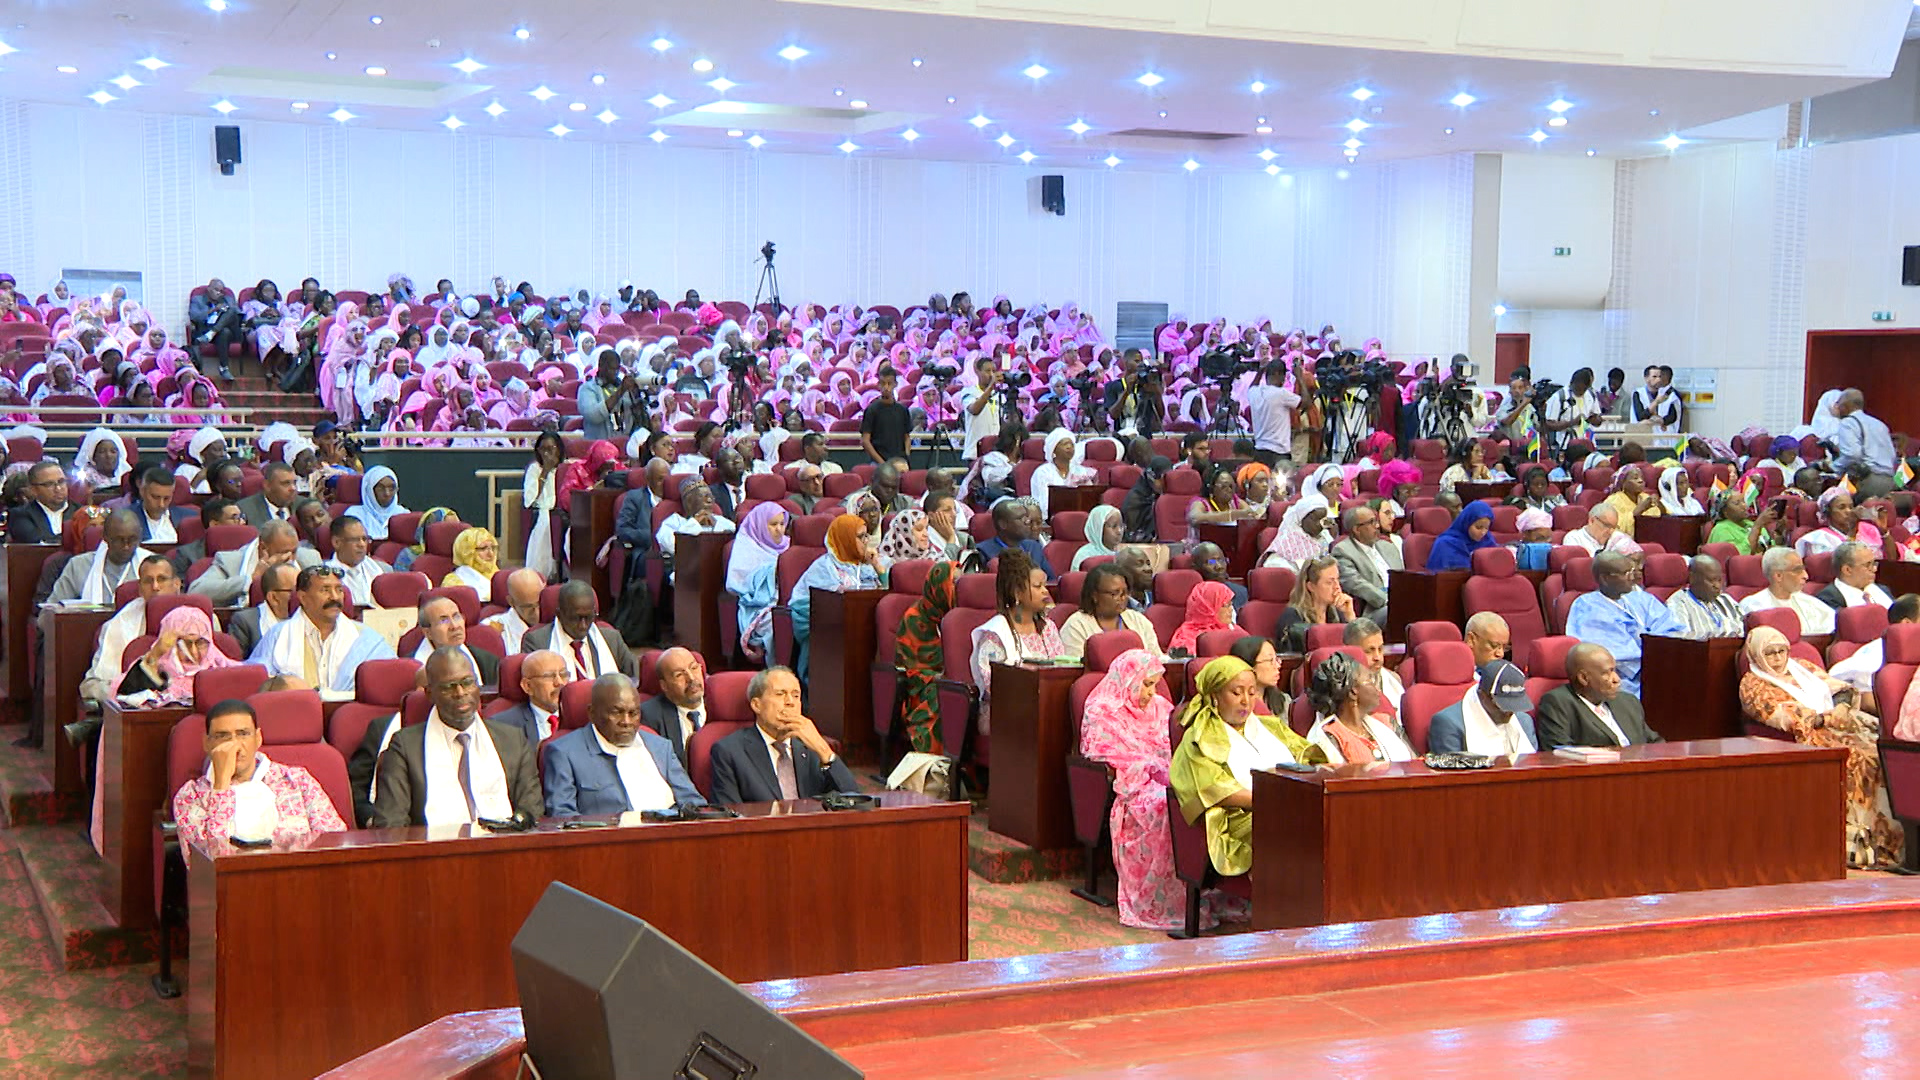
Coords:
1779,508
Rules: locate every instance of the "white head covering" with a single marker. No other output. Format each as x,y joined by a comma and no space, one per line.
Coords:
278,431
95,438
1674,498
202,439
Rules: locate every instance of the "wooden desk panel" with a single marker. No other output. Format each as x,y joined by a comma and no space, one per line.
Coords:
590,526
19,573
1240,540
304,959
699,576
1032,738
133,779
71,633
1416,596
1678,534
840,669
1899,578
1691,689
1491,492
1391,841
1081,497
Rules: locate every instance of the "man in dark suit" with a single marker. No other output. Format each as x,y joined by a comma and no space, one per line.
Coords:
160,520
38,521
782,756
542,674
215,511
1590,710
731,490
442,626
633,525
679,709
614,764
274,501
587,656
249,625
457,767
1855,565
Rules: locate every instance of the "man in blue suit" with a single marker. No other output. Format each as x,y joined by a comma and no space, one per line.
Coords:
1491,719
614,764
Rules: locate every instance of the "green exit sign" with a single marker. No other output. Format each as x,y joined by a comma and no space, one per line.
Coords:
1562,252
1883,316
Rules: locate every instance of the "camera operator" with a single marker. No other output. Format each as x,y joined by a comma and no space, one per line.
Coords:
1449,409
1657,402
1515,418
602,397
1136,401
980,404
1272,405
1347,392
1572,411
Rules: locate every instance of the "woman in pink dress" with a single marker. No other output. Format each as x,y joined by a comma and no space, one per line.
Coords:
1125,729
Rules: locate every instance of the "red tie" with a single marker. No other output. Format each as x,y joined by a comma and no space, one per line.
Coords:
580,657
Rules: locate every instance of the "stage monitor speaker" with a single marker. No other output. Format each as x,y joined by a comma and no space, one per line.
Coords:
226,147
1053,194
1910,268
604,996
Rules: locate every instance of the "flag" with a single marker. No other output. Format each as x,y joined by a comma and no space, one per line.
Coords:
1846,485
1533,443
1904,473
1719,487
1750,490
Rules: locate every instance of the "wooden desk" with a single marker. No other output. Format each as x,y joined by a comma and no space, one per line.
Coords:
1691,689
70,633
1899,578
1081,497
1417,596
1491,492
133,784
1679,534
1394,840
1240,540
840,669
1032,738
591,526
19,573
304,959
699,576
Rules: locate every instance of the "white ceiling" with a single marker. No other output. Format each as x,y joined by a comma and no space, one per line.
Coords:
264,54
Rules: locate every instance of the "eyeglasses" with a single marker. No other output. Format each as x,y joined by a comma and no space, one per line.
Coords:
467,683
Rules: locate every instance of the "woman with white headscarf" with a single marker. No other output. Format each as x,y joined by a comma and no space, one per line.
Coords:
1062,467
199,455
1676,495
102,460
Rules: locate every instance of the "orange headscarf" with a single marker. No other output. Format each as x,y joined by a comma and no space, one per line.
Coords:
844,537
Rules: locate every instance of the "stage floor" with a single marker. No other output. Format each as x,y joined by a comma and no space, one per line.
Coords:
1817,1010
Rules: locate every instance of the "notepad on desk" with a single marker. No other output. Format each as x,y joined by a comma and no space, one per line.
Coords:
1588,753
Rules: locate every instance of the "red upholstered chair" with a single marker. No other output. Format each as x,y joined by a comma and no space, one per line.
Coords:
1418,634
959,698
379,689
218,684
1900,768
1192,865
726,696
1170,517
1496,586
1432,520
1576,580
1430,456
976,592
1569,517
1268,588
1416,548
1547,665
574,698
842,484
700,752
1217,643
441,534
462,596
1325,636
787,569
811,530
1184,483
1785,620
1665,575
766,487
1854,627
436,567
1744,577
292,728
229,538
158,607
1819,568
1446,672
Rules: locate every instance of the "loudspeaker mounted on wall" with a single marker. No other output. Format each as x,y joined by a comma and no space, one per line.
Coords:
1053,194
1910,266
226,147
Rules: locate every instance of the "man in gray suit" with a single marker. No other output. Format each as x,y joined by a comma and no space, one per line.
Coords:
458,767
215,511
573,634
232,574
1365,557
117,560
1590,710
614,764
274,501
249,625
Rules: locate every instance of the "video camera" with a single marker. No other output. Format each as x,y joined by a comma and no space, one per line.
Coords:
1016,380
1349,372
738,359
943,373
1543,391
1227,361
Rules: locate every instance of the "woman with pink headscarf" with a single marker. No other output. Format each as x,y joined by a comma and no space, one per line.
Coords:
600,315
159,357
337,371
131,327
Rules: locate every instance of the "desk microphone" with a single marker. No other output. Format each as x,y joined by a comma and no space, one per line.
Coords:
521,821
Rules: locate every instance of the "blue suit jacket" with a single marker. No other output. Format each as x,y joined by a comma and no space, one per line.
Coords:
582,779
1447,733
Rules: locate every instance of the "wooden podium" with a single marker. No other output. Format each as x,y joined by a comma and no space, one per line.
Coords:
19,574
1679,534
1690,689
1419,595
593,513
70,633
699,577
840,669
1491,492
1081,497
1032,738
133,784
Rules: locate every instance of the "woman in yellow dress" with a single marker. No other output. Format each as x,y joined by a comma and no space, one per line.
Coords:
1228,737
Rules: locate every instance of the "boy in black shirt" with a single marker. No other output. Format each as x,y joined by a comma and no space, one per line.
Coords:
885,424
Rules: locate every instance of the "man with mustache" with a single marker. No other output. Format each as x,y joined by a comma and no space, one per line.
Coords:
318,642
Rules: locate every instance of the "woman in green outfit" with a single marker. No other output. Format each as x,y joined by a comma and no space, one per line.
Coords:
1734,523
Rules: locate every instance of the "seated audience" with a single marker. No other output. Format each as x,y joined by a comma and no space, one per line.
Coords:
92,576
1703,608
1226,739
1259,654
1014,529
1629,499
782,756
318,642
1676,494
39,521
183,649
615,764
1618,613
352,556
443,626
1346,698
1062,467
1840,522
1734,523
458,767
1317,598
848,564
1209,607
542,675
1302,536
1536,491
633,526
1211,562
1591,709
228,580
675,712
127,625
1487,636
246,795
379,502
523,607
884,490
751,572
1469,465
274,501
476,558
160,520
590,649
811,481
1858,668
1490,719
1367,636
1125,728
1600,533
1138,525
909,538
696,515
1854,567
1102,534
919,658
1791,695
1019,631
949,537
1365,559
215,511
1103,606
1786,573
1453,549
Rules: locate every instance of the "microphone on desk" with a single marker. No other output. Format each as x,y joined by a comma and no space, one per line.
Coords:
521,821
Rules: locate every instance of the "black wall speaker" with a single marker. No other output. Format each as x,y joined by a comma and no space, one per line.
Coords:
226,147
1053,194
1910,266
604,996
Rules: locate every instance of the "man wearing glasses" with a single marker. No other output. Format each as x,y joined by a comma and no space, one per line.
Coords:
458,767
318,643
39,521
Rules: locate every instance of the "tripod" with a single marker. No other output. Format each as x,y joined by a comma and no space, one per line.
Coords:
1226,412
942,428
769,285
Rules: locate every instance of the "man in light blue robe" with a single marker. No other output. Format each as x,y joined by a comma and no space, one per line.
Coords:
1618,614
318,642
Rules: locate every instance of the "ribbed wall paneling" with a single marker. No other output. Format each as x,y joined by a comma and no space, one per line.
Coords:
474,215
1787,306
169,148
1616,318
329,206
16,196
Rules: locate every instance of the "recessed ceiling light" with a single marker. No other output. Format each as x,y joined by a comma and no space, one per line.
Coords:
1499,310
1653,112
1353,144
1446,131
849,146
1150,80
856,103
756,141
153,63
723,84
735,133
468,65
1034,71
223,106
599,79
839,91
541,93
910,135
606,116
376,70
950,99
703,65
1357,125
216,5
1273,170
1005,140
1026,157
67,69
1341,174
660,44
333,56
1268,155
1258,87
1190,165
341,114
1259,119
1111,161
1361,94
1673,142
453,123
1463,99
1538,136
375,20
1556,121
577,106
1163,114
917,61
1351,154
1263,129
494,110
299,106
658,136
101,97
659,101
979,120
1591,151
1079,127
793,52
560,131
125,82
1560,105
522,33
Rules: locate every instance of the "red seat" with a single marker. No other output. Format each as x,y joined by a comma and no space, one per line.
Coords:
1432,520
219,684
1446,672
229,538
1217,643
440,537
399,589
1191,863
1576,580
292,729
1665,575
1547,665
1325,636
1418,634
1170,517
1496,586
574,699
1269,589
436,567
959,698
379,689
700,752
158,607
463,597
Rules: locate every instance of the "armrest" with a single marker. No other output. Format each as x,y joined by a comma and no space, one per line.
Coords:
972,691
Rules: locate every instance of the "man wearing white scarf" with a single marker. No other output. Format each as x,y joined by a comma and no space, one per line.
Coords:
91,577
318,643
1491,719
590,650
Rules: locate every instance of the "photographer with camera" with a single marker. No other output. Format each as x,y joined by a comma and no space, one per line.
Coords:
1272,406
1449,409
980,405
1136,401
601,397
1569,412
1515,419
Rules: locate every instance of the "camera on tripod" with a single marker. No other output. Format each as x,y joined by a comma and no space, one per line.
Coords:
738,359
1349,373
1016,380
766,251
1543,391
942,374
1227,361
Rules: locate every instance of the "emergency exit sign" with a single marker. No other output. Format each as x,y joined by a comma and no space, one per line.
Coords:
1562,252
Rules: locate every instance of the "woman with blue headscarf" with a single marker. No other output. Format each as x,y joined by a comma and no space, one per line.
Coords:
1453,549
379,501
